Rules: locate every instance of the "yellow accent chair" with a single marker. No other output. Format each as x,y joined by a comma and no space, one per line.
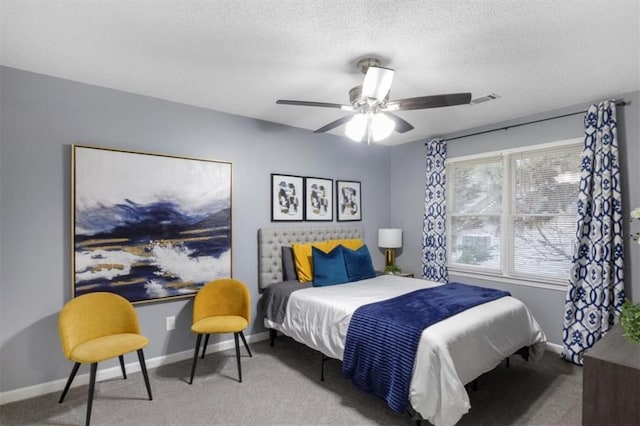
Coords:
221,306
96,327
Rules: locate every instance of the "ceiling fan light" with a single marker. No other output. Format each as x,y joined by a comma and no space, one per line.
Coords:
377,82
381,127
356,127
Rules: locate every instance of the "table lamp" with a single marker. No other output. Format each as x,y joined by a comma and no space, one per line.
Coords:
390,239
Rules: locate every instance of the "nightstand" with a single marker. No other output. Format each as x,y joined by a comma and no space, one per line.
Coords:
400,274
611,381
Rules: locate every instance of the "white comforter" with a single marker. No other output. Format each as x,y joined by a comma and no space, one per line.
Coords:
450,354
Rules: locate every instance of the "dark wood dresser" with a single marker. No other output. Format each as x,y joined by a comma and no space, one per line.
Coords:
611,381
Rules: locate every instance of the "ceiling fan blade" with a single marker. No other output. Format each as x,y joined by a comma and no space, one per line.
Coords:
377,82
334,124
402,126
425,102
315,104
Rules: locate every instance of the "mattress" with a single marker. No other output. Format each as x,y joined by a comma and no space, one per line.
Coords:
450,354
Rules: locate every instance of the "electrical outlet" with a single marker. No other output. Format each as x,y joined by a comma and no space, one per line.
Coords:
170,323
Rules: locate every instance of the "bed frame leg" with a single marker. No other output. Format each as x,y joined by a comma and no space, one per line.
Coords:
523,352
472,385
323,359
273,333
415,416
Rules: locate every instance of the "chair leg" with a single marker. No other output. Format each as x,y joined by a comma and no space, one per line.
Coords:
195,357
143,367
235,337
124,372
74,370
245,343
92,385
206,342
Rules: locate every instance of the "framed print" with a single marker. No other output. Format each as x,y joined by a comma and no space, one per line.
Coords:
318,199
287,194
148,227
348,200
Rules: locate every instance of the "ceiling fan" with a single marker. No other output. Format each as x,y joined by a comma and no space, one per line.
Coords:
370,101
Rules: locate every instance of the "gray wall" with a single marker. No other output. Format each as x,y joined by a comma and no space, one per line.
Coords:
407,194
41,117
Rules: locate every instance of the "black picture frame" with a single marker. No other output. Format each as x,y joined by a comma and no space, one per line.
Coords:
318,199
287,197
348,200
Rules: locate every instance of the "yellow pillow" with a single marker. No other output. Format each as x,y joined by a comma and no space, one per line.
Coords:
302,255
302,258
353,244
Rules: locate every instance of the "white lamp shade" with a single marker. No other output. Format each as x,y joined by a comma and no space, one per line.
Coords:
356,127
390,237
381,127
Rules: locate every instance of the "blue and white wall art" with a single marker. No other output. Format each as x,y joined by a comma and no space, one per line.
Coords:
148,227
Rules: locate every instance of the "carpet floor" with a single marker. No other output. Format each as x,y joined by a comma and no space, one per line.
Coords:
281,386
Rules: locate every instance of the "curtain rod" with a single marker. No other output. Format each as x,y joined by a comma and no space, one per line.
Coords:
620,103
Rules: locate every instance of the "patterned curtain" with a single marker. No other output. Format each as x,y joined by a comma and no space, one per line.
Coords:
434,238
596,292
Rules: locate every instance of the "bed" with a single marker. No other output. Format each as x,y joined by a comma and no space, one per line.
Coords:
450,353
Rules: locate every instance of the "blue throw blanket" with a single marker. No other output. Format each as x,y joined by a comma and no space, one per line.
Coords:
383,337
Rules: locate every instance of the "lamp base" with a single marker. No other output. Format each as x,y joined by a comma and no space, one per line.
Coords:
390,258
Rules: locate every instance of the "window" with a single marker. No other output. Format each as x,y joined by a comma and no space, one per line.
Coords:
513,213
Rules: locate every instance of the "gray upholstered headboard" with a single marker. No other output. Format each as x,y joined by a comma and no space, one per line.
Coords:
271,240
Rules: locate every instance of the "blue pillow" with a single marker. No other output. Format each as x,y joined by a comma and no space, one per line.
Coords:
358,263
328,268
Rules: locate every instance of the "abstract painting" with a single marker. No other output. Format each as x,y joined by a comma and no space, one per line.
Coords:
318,199
286,198
349,200
148,227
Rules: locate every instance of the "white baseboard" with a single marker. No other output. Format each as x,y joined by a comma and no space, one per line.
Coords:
113,372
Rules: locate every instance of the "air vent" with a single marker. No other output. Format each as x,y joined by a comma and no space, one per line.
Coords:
485,98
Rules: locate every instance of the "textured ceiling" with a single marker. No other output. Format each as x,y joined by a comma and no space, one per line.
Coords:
240,56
